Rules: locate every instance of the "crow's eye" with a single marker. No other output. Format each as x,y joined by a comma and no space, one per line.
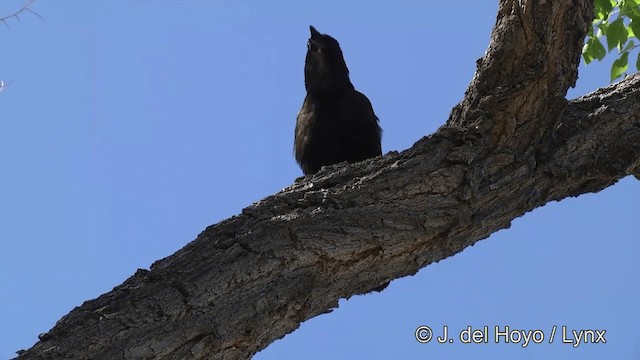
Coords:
312,46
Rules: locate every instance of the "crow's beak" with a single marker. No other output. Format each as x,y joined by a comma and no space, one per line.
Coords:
314,33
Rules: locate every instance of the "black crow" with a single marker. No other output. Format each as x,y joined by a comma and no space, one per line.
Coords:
336,122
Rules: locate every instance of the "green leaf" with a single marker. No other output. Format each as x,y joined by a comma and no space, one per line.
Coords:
635,27
602,9
619,66
629,46
604,5
624,9
617,34
587,57
629,8
595,49
602,28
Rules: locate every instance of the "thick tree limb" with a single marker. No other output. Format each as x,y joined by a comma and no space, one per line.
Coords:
512,145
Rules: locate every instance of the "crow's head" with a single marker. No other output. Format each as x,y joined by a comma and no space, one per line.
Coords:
324,67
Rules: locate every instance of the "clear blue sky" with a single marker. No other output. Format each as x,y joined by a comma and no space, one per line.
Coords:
129,126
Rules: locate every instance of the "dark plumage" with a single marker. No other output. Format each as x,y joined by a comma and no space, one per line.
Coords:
336,122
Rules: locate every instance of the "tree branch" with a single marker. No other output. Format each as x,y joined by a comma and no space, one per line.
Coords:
513,144
25,8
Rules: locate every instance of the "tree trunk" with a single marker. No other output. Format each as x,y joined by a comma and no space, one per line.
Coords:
513,144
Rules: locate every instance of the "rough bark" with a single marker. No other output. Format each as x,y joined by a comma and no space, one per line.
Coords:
513,144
